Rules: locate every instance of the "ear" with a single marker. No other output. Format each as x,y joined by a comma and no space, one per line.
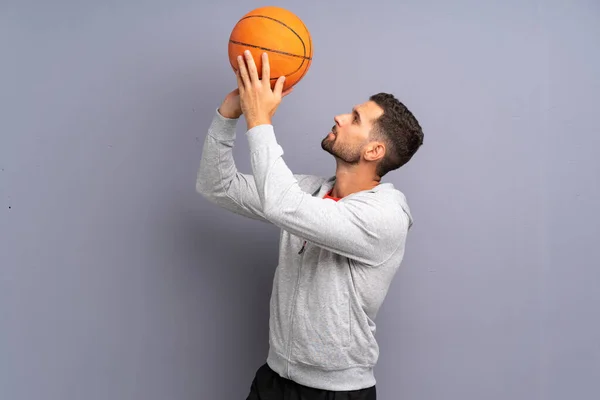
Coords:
374,151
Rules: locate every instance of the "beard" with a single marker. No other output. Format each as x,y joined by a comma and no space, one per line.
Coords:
340,151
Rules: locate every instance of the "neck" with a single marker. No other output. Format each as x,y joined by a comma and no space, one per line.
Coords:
353,179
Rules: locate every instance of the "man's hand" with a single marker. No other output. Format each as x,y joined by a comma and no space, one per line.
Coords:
258,101
231,107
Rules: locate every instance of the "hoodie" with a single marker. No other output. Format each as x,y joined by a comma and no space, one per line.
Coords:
337,257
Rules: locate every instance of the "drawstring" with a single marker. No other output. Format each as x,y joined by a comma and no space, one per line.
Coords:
303,247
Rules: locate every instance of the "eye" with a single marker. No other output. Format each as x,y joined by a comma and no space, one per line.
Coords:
355,117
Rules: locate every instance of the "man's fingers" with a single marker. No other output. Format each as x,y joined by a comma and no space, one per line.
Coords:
266,70
252,72
279,86
243,72
240,82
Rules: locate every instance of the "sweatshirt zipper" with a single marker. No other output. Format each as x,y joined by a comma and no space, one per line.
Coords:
291,333
290,340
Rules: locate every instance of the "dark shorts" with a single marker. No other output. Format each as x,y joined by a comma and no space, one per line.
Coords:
268,385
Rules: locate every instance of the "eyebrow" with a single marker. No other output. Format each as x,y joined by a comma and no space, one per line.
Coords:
356,113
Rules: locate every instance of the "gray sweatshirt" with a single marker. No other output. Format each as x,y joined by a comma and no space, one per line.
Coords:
336,259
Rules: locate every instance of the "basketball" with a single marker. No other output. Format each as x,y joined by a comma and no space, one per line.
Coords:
282,35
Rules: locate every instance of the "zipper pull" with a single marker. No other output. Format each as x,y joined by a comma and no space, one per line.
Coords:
303,247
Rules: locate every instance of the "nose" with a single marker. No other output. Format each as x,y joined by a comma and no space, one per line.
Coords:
340,119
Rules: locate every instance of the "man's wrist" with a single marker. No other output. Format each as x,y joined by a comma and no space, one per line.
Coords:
229,115
252,122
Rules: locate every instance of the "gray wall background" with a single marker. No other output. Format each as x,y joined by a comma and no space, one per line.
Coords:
118,281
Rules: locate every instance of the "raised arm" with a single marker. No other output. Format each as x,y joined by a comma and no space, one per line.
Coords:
368,227
218,179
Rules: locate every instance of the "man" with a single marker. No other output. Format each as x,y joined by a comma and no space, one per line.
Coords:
342,238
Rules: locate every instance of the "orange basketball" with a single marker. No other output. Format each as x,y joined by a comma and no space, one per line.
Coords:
282,35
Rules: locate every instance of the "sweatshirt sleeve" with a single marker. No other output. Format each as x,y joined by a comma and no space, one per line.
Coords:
364,228
218,179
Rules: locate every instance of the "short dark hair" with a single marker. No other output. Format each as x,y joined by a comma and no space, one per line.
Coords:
399,129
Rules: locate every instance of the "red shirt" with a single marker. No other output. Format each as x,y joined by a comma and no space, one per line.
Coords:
328,196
